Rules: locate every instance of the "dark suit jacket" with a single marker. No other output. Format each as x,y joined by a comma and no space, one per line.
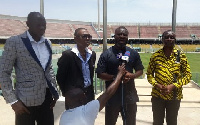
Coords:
69,74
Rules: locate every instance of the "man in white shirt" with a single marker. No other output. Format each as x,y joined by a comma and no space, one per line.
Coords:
35,92
82,113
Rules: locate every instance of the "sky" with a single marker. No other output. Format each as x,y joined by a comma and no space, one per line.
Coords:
128,11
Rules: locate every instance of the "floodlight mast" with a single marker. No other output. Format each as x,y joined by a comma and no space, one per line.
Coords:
42,7
174,15
98,15
104,25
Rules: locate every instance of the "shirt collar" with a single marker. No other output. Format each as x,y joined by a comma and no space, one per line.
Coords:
174,52
42,39
75,50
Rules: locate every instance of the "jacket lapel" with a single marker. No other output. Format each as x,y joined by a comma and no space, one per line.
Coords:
29,47
78,61
50,53
91,65
75,52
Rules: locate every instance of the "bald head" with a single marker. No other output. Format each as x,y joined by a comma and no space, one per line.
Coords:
33,15
36,24
121,28
74,93
75,97
168,32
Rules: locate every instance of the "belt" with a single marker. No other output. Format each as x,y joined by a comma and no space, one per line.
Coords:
85,90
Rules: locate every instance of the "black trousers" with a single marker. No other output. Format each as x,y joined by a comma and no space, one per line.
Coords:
128,116
42,114
159,106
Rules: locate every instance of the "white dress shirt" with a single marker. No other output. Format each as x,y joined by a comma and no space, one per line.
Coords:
40,49
82,115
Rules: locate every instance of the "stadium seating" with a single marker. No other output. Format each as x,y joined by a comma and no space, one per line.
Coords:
183,32
10,27
90,29
164,28
59,30
64,30
195,30
110,31
133,31
148,32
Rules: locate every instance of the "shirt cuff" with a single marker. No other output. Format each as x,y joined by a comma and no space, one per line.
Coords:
13,102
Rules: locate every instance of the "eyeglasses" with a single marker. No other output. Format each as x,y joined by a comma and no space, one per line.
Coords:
86,36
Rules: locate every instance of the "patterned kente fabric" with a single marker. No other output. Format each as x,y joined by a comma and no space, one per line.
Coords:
166,71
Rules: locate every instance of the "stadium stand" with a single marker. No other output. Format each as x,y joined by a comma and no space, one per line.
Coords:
163,28
110,31
133,31
89,28
61,31
195,30
10,27
148,32
182,32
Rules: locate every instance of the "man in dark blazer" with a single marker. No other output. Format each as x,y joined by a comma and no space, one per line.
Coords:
76,66
35,92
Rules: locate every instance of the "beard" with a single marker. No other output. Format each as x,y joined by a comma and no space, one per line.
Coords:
121,45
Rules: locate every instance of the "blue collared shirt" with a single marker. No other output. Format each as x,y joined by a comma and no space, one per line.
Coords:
85,65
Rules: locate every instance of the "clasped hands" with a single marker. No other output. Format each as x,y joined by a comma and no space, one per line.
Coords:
165,90
127,76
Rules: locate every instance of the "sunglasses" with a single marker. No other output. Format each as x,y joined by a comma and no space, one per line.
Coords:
167,37
120,34
86,36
